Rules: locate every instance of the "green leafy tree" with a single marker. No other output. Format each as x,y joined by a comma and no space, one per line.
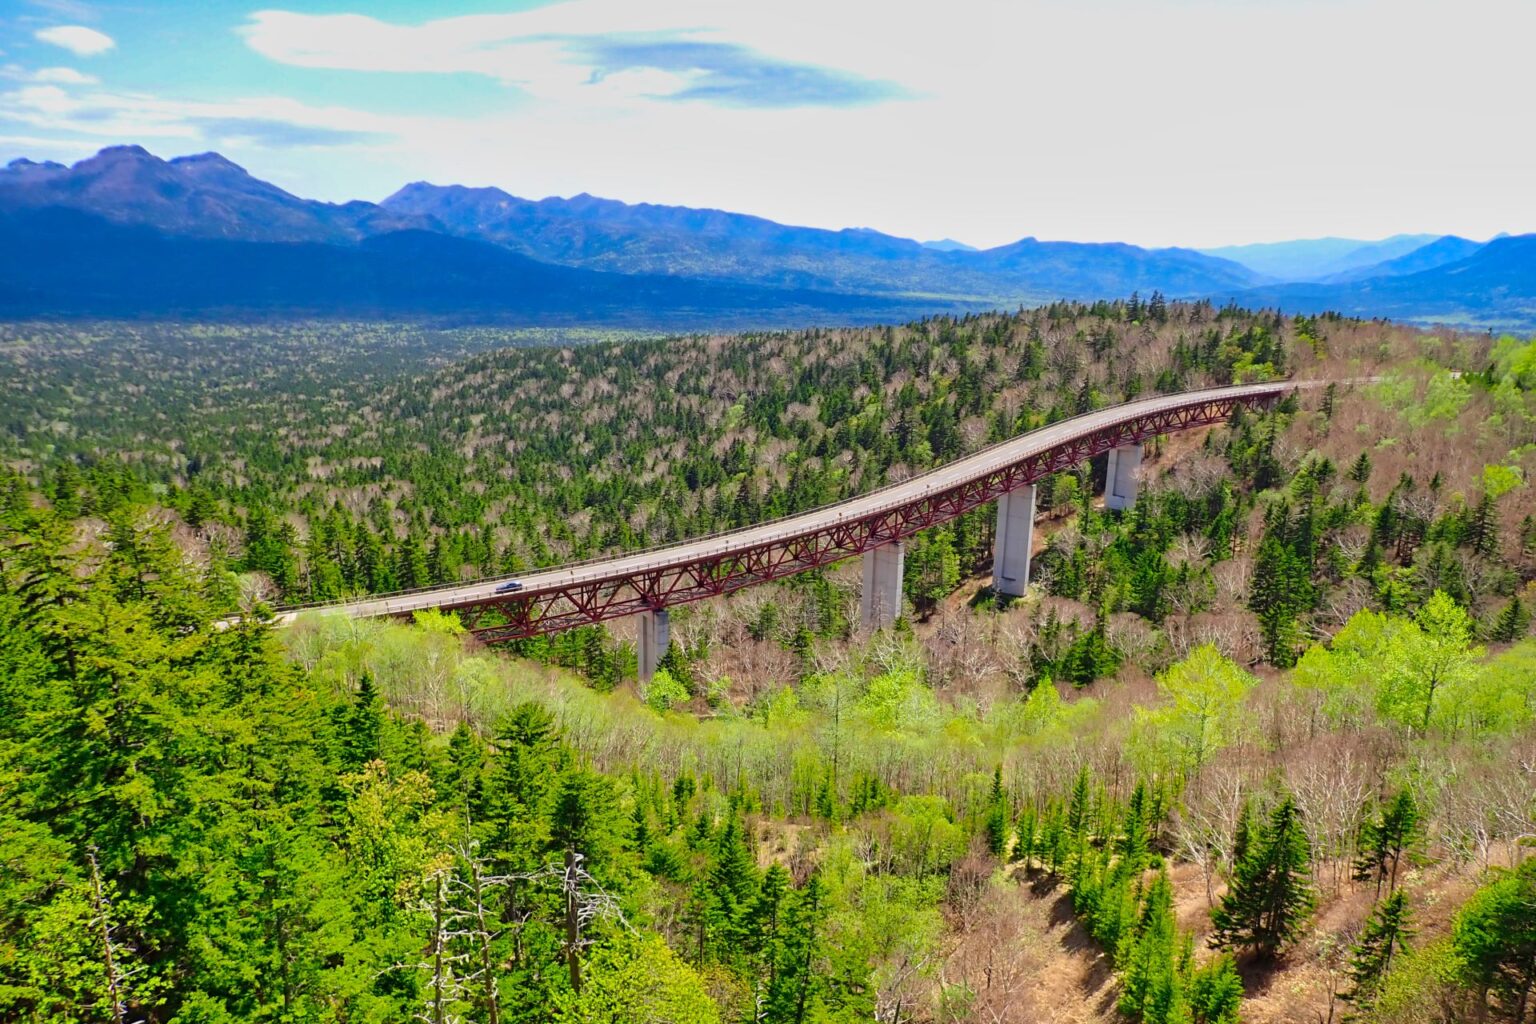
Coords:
639,980
1427,661
1205,694
664,691
1495,936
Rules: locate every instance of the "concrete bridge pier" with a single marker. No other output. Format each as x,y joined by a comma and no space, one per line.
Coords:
880,600
1120,479
1015,534
653,641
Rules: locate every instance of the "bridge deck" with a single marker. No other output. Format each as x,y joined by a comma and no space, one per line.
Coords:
623,569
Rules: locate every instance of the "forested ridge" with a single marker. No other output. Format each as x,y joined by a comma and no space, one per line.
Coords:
1259,749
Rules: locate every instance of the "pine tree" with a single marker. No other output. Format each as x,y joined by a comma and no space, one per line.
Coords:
1216,993
1148,957
465,763
1242,834
1360,471
1074,838
1482,527
360,730
1495,938
1135,836
764,935
1271,894
582,830
997,816
1281,589
1386,932
1512,623
795,995
1386,839
733,890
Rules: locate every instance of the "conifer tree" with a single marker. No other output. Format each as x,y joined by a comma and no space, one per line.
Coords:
1495,937
733,890
795,996
1243,834
997,816
1360,470
1512,623
1150,988
1386,839
1385,935
1271,894
360,730
1216,992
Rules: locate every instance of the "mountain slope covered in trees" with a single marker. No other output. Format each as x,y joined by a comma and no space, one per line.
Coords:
1257,749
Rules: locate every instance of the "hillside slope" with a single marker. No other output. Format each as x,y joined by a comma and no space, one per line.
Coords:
1051,808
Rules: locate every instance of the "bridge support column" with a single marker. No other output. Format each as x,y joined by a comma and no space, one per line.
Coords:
1120,483
880,600
653,642
1015,534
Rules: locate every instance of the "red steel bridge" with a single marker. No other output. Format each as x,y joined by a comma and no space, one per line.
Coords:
872,525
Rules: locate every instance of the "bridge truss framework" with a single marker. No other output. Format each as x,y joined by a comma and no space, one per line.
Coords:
595,599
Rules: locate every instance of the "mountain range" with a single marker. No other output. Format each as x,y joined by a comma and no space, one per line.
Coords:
125,233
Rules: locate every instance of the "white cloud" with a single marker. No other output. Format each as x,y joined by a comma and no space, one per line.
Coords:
1180,122
77,39
63,76
111,117
46,76
598,51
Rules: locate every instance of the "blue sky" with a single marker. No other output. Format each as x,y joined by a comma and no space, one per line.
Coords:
1195,122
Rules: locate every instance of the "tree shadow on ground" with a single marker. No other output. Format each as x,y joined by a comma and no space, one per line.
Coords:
1258,972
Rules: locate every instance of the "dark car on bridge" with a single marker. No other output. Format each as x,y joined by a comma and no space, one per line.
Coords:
509,587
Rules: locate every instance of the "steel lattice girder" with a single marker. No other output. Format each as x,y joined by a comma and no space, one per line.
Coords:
595,601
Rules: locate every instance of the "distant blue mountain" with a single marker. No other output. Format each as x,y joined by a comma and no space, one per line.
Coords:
1494,286
949,245
57,262
1312,259
203,196
770,267
125,233
605,234
1438,253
